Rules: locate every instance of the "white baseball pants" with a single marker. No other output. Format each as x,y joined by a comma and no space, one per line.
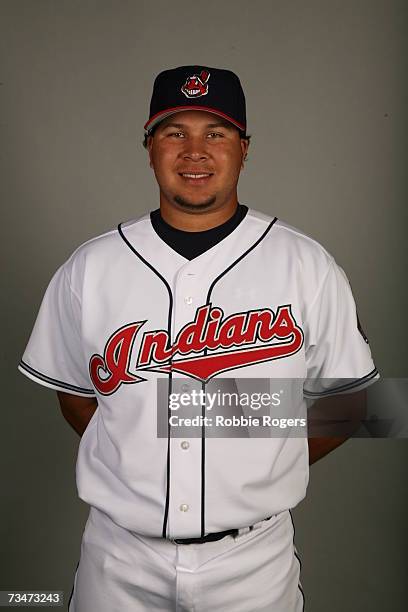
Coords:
120,571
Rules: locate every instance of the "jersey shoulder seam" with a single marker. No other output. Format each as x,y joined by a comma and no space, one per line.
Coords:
320,288
69,283
330,259
94,239
110,232
283,226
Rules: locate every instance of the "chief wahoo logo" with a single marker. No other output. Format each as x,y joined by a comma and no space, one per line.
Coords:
196,85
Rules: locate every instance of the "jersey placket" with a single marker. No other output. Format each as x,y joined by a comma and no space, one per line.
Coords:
185,489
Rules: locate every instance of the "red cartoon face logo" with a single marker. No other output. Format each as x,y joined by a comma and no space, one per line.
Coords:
196,85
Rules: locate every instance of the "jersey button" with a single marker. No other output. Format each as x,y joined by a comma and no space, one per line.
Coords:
188,300
184,507
185,445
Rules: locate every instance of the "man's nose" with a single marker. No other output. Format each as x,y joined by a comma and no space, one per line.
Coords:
195,149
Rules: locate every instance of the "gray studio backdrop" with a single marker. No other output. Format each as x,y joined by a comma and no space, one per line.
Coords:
326,96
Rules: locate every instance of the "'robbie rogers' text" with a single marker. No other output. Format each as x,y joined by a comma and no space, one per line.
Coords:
235,421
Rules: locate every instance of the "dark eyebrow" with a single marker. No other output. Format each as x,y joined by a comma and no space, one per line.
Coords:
173,125
225,124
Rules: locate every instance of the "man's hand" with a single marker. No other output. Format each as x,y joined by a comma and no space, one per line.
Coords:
77,410
332,420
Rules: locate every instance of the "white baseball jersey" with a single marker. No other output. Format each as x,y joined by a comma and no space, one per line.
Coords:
125,310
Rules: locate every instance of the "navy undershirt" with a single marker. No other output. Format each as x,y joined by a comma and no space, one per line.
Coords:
192,244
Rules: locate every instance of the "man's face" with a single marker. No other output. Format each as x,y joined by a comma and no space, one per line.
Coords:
197,158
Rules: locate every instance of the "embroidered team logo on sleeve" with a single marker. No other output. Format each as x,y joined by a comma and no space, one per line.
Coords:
237,341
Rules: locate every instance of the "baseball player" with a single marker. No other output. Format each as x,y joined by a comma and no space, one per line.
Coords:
201,289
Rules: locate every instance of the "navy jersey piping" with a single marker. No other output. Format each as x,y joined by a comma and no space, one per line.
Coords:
299,561
149,265
346,387
73,586
215,281
54,381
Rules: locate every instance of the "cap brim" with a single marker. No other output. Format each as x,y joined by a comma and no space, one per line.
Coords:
172,111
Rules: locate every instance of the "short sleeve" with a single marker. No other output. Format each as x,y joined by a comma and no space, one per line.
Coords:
338,355
54,355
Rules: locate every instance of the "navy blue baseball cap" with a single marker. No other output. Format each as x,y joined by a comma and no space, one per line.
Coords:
213,90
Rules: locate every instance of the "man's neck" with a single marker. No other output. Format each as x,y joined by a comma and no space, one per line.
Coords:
192,244
194,221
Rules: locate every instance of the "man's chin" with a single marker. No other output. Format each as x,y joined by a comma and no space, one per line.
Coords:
191,205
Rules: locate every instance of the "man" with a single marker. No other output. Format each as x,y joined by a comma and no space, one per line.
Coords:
202,290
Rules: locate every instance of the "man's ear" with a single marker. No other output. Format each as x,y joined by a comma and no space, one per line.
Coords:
149,146
244,149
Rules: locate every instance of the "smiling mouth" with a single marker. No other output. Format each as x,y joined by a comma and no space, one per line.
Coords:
195,176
